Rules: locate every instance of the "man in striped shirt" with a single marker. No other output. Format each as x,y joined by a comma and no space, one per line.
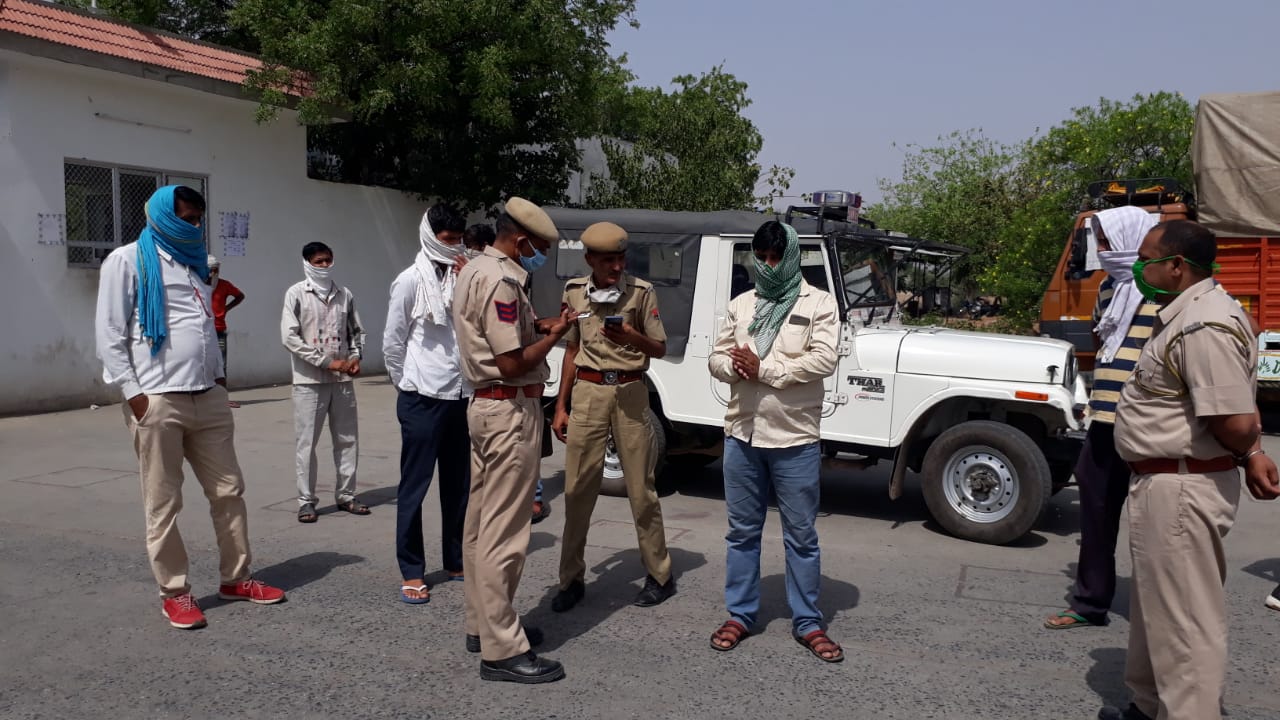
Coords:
1123,321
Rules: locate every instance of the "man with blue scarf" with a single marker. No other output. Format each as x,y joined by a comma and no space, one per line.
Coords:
157,342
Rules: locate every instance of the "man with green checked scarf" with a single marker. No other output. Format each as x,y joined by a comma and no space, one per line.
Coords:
157,342
776,346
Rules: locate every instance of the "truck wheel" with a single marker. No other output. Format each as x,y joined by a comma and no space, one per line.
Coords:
986,482
614,483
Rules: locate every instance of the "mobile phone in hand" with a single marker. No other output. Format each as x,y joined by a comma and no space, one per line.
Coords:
613,321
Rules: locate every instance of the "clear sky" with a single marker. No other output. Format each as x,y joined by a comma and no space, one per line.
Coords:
835,84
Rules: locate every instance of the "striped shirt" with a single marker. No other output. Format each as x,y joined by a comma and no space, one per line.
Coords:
1109,378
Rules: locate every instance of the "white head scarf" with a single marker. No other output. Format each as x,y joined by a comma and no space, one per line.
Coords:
321,277
435,295
1124,227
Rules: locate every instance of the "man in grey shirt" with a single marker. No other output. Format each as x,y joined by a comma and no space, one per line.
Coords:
320,327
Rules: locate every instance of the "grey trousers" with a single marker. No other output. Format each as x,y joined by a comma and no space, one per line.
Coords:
312,403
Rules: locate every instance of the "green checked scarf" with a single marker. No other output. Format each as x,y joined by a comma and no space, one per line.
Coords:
776,293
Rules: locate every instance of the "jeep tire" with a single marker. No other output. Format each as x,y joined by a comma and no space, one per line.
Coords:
614,483
986,481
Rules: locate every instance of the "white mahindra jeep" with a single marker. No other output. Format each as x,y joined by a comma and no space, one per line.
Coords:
993,423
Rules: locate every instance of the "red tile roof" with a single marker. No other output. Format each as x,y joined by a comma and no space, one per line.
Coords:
57,24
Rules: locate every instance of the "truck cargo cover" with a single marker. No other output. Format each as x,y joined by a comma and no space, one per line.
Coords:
1236,155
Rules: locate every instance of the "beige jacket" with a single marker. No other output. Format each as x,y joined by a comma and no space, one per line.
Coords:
781,408
318,329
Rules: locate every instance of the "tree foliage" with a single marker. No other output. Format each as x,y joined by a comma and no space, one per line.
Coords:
688,149
1014,205
960,190
468,100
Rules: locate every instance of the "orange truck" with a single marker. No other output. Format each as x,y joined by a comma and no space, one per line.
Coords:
1236,159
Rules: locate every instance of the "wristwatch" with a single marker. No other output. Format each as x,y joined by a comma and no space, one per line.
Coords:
1243,460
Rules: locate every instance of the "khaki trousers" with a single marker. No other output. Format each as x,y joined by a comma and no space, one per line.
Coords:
596,408
200,429
506,444
1177,657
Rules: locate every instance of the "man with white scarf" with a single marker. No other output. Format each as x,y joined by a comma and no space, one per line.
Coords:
1123,322
421,351
325,338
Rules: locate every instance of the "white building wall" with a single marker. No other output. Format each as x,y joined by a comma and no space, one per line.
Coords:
51,112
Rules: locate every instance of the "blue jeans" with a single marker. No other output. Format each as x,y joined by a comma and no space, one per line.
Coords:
792,473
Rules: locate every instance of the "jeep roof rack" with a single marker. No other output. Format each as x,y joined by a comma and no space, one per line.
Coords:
1145,192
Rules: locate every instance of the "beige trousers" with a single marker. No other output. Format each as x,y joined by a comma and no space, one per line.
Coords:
1177,657
506,444
596,408
200,429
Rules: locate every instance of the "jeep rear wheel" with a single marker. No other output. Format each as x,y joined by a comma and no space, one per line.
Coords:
986,482
614,483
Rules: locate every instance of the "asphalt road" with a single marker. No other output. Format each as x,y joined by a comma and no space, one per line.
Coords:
933,627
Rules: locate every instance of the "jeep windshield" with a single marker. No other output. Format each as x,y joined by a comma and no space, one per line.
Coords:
866,272
868,263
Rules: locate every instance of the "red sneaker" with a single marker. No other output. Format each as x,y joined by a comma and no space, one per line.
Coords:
183,612
255,591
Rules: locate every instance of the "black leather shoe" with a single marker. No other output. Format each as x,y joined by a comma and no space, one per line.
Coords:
1130,713
570,596
533,634
655,594
527,668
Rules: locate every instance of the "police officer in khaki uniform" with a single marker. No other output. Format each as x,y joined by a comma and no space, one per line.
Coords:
618,330
1186,422
505,360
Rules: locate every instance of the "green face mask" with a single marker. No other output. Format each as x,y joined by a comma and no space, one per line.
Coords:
1151,292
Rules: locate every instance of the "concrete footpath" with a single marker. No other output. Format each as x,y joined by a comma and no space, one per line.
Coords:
933,627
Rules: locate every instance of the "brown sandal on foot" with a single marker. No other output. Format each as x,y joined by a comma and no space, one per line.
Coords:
818,643
732,632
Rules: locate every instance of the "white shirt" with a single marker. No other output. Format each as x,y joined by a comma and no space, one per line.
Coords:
189,359
421,357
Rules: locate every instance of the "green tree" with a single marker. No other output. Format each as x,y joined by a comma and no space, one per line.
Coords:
1146,136
688,149
1014,205
468,100
962,190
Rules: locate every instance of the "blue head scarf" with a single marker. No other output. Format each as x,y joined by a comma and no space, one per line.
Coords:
180,239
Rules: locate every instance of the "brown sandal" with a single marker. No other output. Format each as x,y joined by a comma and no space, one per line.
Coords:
732,631
818,643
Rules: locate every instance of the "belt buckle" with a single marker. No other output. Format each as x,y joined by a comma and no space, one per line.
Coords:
610,377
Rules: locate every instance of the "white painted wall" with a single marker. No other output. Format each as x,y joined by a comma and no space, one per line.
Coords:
47,115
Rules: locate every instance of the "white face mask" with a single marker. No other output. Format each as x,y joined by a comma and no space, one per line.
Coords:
320,277
606,295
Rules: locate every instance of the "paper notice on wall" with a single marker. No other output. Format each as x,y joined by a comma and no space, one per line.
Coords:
233,247
51,229
233,225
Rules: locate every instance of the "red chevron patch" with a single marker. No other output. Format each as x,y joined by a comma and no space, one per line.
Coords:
506,311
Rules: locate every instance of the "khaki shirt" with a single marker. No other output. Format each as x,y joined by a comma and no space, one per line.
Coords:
783,407
493,315
1159,416
638,307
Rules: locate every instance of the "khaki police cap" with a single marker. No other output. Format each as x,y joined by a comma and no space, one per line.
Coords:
532,218
605,237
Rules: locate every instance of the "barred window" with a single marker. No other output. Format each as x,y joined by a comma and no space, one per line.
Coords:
105,206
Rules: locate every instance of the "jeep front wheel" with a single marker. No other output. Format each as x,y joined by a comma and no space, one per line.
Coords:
986,482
